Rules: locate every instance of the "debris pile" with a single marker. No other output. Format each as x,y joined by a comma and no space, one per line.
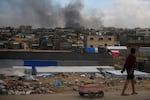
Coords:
59,83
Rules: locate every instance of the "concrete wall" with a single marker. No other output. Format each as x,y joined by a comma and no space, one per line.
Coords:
54,56
6,63
9,58
78,63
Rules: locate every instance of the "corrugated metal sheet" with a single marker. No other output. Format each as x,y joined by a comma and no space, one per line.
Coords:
65,69
118,73
71,69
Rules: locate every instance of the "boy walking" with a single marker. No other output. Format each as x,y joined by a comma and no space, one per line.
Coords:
129,66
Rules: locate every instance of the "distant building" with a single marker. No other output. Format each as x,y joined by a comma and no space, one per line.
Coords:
138,42
23,27
140,38
6,32
100,40
143,31
26,29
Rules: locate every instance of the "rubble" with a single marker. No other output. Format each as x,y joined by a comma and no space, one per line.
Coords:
59,83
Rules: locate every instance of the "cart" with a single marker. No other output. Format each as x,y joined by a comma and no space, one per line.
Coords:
92,90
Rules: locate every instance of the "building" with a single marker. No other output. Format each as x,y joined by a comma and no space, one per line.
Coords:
137,38
100,40
143,31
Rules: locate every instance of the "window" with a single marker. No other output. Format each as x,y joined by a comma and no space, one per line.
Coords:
142,30
91,38
91,46
109,39
139,38
100,39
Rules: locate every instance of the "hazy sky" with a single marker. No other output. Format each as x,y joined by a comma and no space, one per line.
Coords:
117,13
90,3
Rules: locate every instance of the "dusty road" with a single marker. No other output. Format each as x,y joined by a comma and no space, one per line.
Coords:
143,95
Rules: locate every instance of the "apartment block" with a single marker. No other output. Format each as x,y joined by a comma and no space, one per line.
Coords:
143,31
100,40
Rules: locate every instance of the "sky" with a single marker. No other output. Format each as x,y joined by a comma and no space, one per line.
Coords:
90,3
108,13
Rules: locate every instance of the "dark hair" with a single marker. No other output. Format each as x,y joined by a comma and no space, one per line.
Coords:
132,50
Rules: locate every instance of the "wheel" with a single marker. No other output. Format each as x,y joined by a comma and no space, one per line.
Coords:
100,94
81,94
91,95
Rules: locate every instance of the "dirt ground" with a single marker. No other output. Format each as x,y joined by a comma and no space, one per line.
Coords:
142,95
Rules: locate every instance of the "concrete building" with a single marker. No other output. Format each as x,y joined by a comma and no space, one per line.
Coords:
138,41
100,40
143,31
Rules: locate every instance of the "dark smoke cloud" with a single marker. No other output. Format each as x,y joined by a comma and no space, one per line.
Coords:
39,13
44,13
72,13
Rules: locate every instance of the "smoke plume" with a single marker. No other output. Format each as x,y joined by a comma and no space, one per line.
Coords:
72,14
45,13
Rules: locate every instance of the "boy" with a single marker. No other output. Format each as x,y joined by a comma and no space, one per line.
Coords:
129,67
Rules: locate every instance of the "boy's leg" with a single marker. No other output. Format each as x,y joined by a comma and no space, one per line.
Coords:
133,87
125,87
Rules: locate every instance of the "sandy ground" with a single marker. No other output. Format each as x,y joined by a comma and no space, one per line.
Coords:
142,95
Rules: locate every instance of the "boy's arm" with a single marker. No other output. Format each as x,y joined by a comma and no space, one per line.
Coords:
123,69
